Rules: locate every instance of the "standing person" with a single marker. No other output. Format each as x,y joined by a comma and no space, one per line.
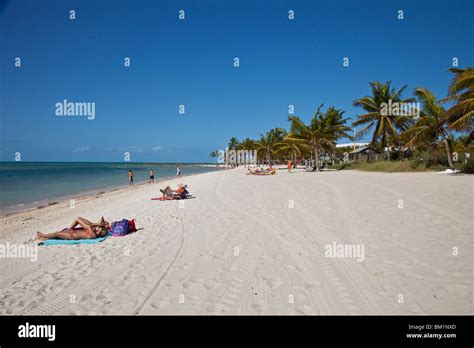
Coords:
152,176
178,171
290,165
130,177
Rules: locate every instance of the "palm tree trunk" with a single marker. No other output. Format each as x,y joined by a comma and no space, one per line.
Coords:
448,152
385,143
316,154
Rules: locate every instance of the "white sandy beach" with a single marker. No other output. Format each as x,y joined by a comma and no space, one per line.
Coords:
256,245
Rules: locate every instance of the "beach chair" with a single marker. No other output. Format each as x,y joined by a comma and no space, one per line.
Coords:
182,195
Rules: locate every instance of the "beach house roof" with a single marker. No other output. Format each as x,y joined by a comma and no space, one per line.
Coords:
351,144
363,149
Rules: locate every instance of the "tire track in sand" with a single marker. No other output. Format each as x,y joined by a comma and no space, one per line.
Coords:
165,273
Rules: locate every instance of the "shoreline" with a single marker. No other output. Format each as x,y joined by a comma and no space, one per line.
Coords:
13,210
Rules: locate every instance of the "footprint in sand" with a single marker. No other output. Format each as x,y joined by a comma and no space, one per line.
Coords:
257,308
312,285
299,310
212,284
227,268
221,308
85,297
161,303
274,282
415,310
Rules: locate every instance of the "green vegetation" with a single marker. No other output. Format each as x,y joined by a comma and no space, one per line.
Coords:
386,125
320,135
431,126
390,166
468,167
421,136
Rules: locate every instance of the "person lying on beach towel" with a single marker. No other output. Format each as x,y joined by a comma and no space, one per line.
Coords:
257,171
261,171
87,230
180,192
90,230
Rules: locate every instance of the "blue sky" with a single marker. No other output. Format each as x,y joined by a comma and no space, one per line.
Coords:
190,62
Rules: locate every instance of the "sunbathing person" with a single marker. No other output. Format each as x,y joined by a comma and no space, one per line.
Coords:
169,192
87,230
256,171
270,171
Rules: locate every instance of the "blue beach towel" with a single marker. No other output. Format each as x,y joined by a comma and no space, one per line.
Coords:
72,241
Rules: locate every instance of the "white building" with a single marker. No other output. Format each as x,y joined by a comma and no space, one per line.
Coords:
352,144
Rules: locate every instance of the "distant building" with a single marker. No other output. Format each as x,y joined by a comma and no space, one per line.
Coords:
351,144
364,154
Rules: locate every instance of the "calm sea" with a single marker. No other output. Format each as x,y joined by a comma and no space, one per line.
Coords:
26,184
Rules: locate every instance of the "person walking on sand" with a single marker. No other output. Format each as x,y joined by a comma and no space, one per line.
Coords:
290,165
130,177
178,171
152,176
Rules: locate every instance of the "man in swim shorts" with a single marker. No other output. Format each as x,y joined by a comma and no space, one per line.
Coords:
152,176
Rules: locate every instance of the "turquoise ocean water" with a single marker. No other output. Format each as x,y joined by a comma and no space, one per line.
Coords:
26,184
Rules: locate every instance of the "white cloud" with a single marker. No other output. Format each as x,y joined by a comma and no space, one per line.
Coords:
81,149
157,148
135,149
126,148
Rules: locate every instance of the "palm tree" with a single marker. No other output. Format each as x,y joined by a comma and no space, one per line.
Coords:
215,154
460,116
248,145
289,148
291,142
432,123
385,125
322,132
268,143
458,144
335,123
307,136
233,143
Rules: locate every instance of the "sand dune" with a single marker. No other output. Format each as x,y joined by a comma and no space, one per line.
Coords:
256,245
